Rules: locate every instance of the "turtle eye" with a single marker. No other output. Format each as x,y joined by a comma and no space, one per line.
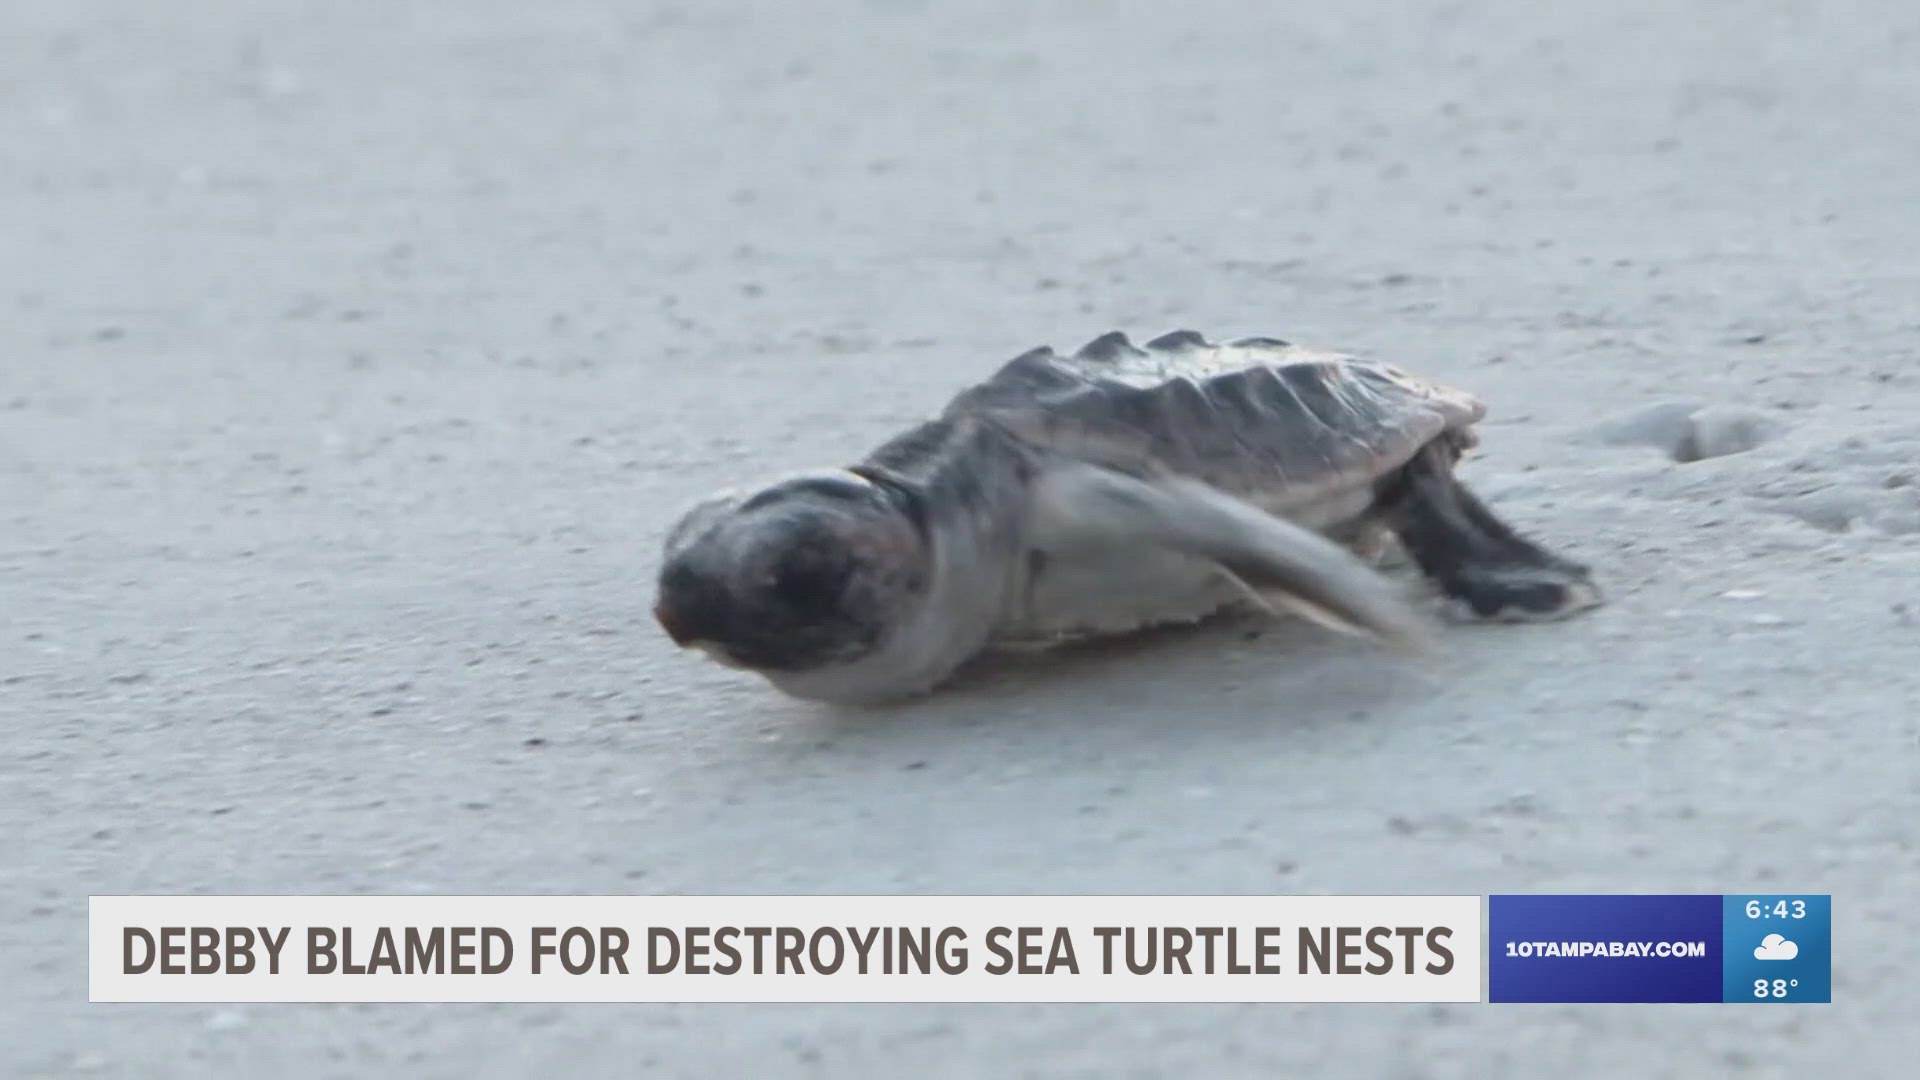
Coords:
811,580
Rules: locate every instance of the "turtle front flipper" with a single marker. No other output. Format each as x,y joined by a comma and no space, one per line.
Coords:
1477,560
1280,563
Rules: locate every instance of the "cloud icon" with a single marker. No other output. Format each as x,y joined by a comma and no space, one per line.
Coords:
1775,947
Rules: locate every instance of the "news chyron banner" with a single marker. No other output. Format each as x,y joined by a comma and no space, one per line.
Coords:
786,948
1766,949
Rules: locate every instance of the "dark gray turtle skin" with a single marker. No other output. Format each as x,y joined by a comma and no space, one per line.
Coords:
1117,488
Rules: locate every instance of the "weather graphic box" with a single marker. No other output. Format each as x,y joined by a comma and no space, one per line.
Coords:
1779,947
1711,948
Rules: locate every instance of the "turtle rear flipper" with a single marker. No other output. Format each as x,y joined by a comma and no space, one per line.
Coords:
1280,563
1480,562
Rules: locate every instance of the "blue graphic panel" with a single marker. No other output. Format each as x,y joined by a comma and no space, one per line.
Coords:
1605,948
1779,948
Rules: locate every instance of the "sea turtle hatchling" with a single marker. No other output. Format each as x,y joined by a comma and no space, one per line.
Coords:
1120,487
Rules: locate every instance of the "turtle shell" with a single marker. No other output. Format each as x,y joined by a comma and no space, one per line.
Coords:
1285,427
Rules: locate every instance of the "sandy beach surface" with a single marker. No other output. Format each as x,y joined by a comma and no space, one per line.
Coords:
354,358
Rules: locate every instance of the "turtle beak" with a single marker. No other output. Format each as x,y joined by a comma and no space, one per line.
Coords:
680,629
687,638
717,654
672,624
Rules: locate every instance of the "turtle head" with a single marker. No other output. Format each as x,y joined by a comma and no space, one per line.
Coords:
804,574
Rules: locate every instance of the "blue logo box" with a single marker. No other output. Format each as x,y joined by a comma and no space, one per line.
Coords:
1604,948
1712,948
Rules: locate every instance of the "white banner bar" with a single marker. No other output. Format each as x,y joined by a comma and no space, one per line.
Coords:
785,948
